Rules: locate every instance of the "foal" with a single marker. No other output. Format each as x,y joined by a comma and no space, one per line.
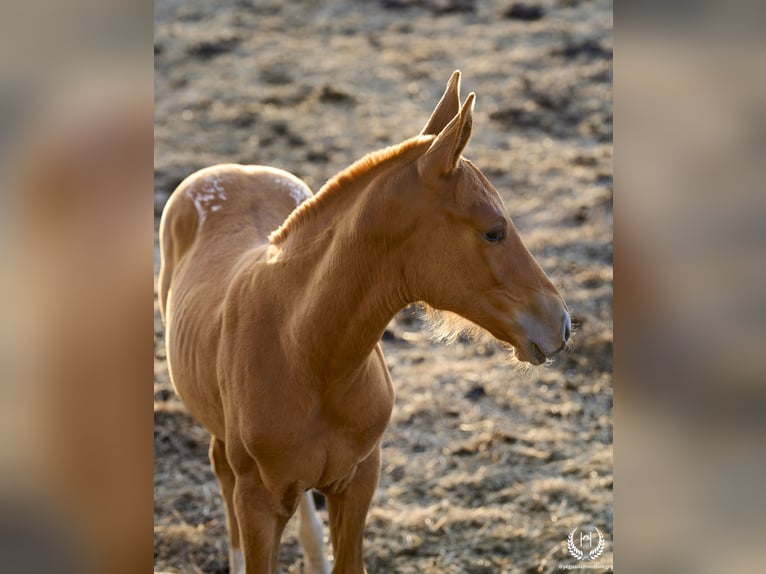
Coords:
274,301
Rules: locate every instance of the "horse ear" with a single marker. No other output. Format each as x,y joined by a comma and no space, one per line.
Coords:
447,107
445,151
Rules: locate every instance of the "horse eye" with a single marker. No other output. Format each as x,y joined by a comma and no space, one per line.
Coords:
495,235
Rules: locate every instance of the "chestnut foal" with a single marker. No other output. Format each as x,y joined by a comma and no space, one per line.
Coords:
273,314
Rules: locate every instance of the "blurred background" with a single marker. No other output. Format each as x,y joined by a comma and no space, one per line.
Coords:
75,381
691,278
78,217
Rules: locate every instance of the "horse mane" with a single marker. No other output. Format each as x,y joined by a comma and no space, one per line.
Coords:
357,170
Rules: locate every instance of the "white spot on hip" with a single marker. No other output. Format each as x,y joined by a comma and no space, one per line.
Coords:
298,192
208,197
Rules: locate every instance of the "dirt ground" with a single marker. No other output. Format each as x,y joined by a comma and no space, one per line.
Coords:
486,468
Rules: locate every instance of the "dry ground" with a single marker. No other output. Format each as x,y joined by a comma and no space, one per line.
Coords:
485,468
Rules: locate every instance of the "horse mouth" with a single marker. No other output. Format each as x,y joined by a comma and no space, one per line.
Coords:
537,353
524,350
530,353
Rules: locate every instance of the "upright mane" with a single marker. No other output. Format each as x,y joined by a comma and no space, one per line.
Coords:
357,170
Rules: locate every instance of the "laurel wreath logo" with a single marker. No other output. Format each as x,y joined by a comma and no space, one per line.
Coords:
579,554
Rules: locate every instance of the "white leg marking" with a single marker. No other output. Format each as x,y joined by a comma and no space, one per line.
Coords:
236,561
311,537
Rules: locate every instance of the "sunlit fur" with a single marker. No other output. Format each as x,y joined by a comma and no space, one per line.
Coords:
450,328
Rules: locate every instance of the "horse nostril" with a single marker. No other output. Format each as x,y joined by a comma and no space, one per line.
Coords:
567,327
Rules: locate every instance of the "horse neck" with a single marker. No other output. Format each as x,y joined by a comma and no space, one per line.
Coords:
345,282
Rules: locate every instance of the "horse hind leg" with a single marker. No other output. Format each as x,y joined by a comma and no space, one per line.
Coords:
311,537
226,481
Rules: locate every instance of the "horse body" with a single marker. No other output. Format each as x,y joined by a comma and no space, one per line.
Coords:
274,302
217,221
304,424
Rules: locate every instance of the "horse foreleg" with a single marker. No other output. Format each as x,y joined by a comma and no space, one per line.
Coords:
260,525
348,512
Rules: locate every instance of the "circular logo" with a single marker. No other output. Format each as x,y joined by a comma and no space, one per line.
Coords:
584,545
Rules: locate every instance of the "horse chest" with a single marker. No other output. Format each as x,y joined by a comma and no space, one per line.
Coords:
344,449
357,435
354,422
